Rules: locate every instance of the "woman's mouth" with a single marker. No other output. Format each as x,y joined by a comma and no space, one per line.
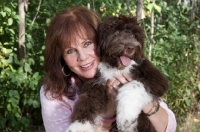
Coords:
87,66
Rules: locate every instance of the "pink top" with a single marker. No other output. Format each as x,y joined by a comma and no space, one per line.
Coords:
56,113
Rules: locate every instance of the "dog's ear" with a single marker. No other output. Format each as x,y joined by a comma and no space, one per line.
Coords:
105,28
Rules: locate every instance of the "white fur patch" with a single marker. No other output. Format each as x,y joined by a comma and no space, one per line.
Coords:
108,72
80,127
131,98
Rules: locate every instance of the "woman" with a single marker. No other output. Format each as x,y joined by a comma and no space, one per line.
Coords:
71,60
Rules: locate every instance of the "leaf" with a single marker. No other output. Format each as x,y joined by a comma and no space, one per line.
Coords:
14,93
35,104
8,107
27,68
10,31
10,21
6,51
17,114
8,10
3,13
48,21
28,45
158,8
153,6
150,7
25,121
4,61
187,101
35,75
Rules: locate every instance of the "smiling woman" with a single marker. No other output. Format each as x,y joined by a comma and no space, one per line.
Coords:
71,61
70,45
81,58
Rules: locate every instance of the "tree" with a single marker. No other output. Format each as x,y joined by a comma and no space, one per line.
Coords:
22,5
139,11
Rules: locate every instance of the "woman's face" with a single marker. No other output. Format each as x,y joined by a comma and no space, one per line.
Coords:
81,58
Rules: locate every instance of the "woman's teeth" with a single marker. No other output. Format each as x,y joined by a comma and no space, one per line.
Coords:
87,65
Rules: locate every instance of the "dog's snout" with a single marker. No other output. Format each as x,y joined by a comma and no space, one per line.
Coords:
129,48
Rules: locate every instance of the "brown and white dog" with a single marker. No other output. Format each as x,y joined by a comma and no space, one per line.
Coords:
121,49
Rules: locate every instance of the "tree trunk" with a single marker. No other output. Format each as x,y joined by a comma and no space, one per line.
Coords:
139,10
152,34
21,42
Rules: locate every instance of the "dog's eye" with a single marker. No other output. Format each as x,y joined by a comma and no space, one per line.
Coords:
133,36
116,33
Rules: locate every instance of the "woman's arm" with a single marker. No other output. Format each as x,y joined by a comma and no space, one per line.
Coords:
159,119
163,120
55,113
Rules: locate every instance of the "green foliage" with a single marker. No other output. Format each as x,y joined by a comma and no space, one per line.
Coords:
116,7
175,52
19,79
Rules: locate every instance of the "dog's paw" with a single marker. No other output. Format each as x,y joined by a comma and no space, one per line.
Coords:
126,123
80,127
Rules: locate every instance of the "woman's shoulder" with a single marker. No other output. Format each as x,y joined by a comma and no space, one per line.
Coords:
48,100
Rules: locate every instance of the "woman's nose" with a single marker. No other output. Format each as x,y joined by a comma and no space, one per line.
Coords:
82,55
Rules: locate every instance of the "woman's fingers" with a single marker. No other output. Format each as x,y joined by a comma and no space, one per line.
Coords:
115,83
128,77
123,78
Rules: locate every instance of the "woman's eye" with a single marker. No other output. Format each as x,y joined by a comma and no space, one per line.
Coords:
87,43
70,51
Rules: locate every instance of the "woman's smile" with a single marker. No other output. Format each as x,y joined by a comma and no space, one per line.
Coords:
87,66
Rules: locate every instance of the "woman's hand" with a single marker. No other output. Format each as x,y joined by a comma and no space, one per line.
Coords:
113,87
117,82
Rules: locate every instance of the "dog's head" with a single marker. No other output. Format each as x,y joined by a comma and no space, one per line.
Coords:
120,40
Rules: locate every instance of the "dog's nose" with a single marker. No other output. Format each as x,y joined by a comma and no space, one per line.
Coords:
129,48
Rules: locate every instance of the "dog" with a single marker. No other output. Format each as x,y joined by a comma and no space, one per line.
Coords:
121,49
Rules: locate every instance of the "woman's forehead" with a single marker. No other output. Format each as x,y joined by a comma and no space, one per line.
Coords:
75,39
75,32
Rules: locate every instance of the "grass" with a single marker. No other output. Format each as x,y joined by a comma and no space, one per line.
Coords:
192,123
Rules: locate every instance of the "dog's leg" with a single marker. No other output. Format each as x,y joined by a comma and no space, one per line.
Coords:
88,108
83,115
131,98
81,127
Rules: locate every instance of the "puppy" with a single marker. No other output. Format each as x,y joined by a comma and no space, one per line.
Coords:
121,49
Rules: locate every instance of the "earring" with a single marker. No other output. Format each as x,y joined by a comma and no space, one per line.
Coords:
63,71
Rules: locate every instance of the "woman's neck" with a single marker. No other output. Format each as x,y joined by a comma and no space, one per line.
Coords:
80,81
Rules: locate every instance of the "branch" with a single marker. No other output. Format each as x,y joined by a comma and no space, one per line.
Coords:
128,7
36,13
179,2
140,4
93,5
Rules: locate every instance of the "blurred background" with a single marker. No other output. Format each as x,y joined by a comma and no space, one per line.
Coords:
172,31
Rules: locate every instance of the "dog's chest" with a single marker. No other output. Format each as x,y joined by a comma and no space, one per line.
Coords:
108,72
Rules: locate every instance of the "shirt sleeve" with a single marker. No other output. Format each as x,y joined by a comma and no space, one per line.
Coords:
172,124
55,113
